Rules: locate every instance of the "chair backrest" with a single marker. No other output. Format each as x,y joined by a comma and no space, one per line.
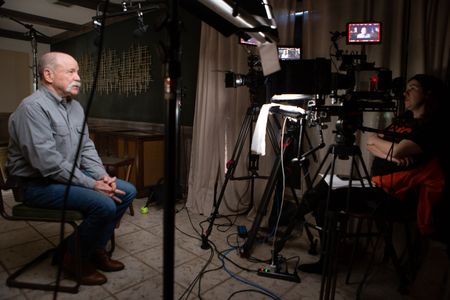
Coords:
3,158
9,182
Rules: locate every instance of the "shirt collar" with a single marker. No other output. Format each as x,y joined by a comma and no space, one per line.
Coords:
52,96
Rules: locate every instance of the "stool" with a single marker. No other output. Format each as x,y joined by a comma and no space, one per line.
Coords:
362,220
406,264
113,163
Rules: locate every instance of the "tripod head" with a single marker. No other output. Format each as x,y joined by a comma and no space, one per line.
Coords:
346,127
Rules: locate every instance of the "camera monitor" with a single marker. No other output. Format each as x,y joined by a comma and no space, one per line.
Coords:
303,76
363,32
289,53
249,42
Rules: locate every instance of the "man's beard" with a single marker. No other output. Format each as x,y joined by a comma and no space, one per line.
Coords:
73,84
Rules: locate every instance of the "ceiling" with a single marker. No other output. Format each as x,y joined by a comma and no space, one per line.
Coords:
55,20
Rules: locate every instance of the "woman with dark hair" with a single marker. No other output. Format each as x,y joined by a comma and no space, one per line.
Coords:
408,159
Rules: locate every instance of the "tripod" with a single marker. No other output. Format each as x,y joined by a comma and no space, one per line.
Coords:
245,131
302,160
273,178
335,222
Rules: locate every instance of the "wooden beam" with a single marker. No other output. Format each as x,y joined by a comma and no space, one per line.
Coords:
22,36
88,27
91,4
24,17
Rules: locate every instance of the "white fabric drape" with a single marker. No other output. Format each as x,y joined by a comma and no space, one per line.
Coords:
219,114
217,111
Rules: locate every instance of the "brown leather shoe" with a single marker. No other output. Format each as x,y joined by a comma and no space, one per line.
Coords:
103,262
89,275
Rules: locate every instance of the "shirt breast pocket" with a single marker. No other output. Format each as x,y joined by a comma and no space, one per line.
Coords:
60,130
61,135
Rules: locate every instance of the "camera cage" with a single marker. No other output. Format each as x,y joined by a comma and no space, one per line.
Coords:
361,88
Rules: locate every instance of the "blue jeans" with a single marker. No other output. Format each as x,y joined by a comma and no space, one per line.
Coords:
101,213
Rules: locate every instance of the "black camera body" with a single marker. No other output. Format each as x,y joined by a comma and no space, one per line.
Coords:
253,79
362,79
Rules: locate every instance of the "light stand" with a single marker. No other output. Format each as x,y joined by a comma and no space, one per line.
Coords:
32,33
35,64
172,73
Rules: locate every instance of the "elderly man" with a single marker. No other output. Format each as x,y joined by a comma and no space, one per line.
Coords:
45,131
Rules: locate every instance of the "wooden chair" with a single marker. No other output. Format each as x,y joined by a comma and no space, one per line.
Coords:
22,212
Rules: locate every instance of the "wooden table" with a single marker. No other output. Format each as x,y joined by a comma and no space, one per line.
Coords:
145,147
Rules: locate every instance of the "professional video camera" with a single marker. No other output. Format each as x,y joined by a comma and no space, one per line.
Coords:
253,79
358,77
357,86
361,79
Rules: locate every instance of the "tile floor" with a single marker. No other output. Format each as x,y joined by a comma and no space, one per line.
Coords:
139,246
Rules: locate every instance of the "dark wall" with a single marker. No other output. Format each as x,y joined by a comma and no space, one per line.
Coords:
149,106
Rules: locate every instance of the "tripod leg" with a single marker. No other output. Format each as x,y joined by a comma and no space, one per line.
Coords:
262,209
243,133
298,217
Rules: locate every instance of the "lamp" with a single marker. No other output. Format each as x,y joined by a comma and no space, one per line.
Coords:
142,28
128,8
124,6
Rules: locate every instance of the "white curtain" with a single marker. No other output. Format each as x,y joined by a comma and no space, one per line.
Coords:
219,113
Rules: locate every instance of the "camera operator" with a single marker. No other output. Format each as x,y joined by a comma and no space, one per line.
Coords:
408,159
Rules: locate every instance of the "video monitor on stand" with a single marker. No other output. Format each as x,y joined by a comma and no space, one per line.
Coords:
289,53
364,32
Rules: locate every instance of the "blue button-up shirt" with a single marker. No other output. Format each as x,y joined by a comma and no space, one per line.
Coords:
44,134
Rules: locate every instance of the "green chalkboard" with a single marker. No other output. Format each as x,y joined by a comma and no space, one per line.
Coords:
148,106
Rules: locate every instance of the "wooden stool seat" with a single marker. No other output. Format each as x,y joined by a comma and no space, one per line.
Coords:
113,163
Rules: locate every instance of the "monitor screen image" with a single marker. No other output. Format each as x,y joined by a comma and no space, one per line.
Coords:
363,32
249,42
289,53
